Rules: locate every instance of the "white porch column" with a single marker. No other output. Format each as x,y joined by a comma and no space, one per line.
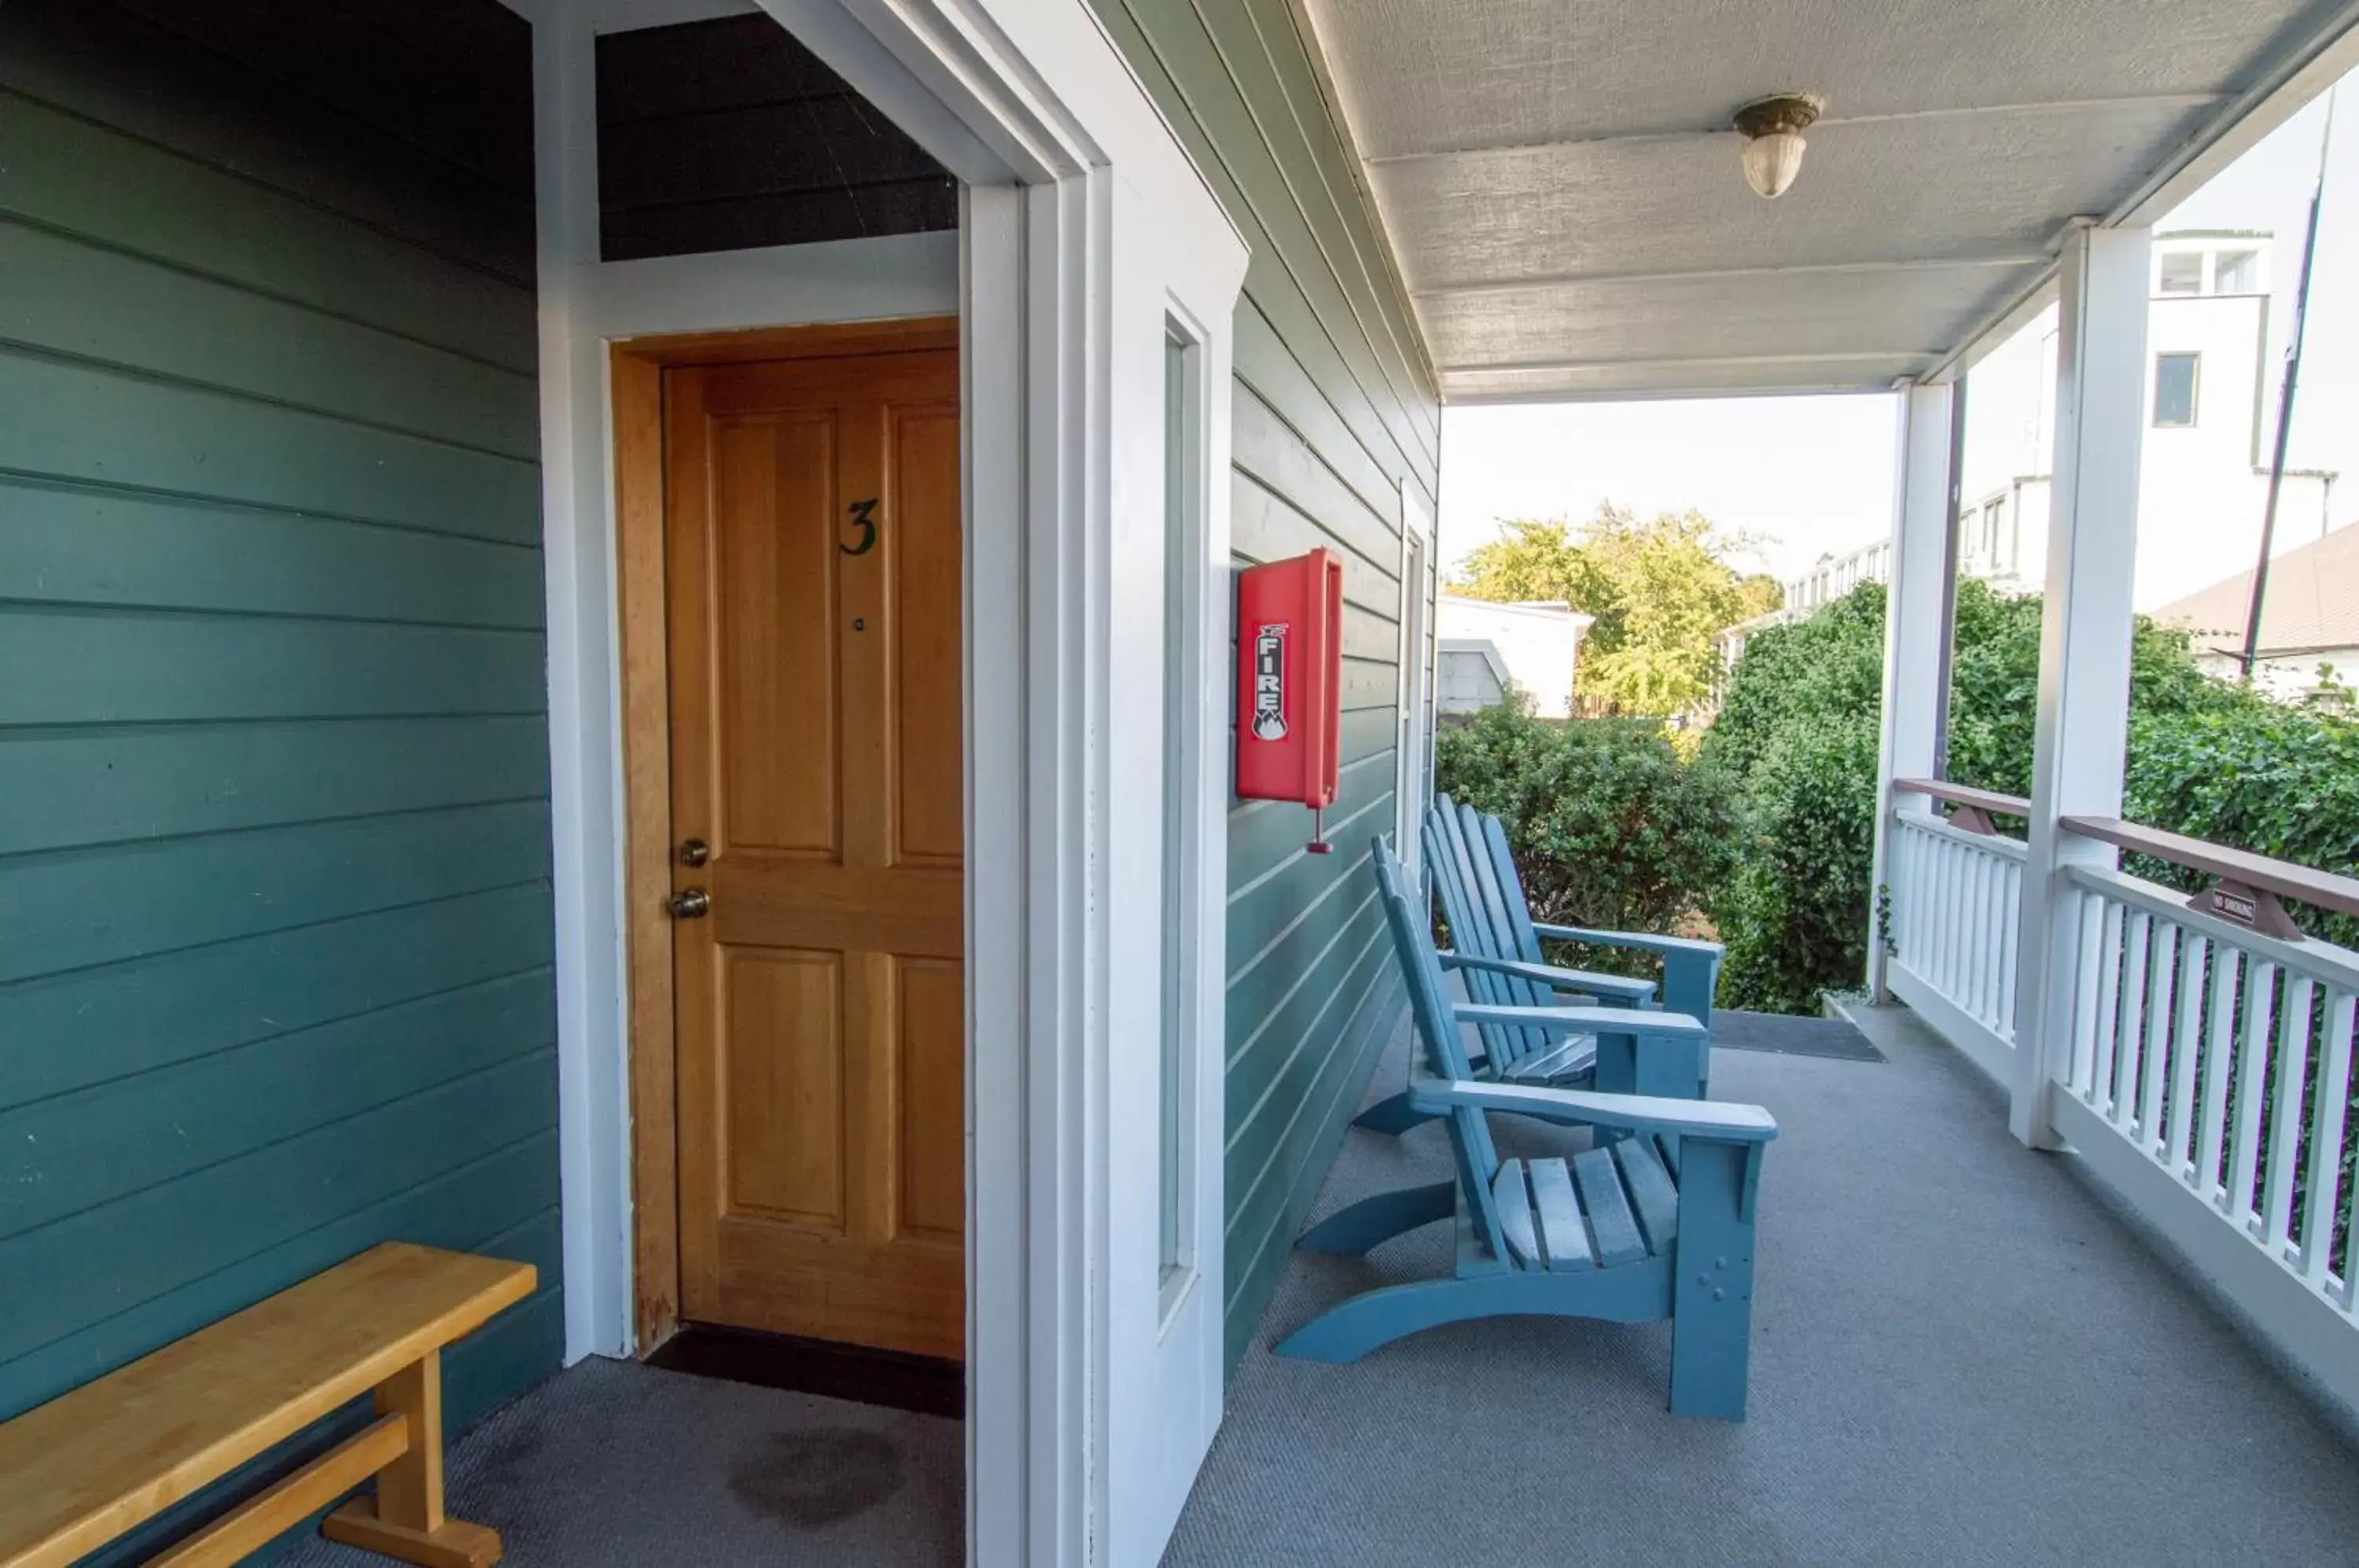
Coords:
1916,618
2084,649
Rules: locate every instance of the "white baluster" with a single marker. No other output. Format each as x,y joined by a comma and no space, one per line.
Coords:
2194,968
1945,921
2010,915
1985,934
2323,1193
2252,1066
2088,913
2218,1059
2131,1048
1906,895
2156,1056
2098,1091
1971,938
2285,1115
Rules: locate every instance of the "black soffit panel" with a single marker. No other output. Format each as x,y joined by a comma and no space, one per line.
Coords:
727,135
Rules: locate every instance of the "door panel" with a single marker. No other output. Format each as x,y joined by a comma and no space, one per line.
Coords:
785,1104
927,587
773,589
814,582
934,1110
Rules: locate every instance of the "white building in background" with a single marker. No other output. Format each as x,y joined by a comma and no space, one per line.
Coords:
2211,417
1483,648
2309,619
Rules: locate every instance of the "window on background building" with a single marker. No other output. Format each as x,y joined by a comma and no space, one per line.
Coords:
2236,272
2179,272
2174,388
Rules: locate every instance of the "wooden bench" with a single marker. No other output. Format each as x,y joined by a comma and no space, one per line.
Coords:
90,1466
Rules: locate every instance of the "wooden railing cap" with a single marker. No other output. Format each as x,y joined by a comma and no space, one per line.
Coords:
1964,795
2283,878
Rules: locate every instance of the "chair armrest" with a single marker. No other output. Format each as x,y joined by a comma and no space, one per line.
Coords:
1644,940
1590,1020
1718,1120
1616,985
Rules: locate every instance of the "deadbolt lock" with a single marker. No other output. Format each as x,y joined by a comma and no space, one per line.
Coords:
692,904
694,852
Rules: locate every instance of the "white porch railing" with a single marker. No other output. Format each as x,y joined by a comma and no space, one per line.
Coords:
1956,887
2222,1056
2206,1070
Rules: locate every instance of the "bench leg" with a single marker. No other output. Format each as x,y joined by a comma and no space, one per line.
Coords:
405,1519
1354,1229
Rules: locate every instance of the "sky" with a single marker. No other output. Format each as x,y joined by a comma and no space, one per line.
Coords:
1812,476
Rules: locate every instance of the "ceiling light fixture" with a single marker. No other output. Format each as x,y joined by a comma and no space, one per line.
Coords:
1772,128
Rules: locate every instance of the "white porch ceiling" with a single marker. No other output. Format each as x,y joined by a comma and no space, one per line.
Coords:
1562,191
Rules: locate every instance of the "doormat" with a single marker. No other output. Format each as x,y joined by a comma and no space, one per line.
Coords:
920,1383
1789,1036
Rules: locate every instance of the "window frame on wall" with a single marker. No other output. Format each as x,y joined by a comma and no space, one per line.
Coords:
2169,269
1177,1025
2194,362
2246,256
1414,682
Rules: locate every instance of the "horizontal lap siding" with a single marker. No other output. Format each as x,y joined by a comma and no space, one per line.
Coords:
276,938
1332,412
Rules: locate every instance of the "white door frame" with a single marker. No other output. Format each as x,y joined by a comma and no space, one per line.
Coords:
1062,157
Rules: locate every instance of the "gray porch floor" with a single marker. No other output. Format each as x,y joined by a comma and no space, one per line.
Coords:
612,1465
1959,1355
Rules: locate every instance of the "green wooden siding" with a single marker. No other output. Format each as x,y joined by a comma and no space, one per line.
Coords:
276,937
1334,411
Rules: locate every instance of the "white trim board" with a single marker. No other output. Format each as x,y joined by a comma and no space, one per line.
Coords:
778,286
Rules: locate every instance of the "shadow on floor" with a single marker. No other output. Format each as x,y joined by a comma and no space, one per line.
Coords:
1959,1358
612,1465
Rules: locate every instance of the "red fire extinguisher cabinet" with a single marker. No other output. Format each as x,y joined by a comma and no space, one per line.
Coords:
1291,682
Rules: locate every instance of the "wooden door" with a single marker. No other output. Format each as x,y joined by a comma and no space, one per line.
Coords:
814,582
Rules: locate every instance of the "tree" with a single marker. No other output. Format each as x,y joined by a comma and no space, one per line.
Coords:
1660,589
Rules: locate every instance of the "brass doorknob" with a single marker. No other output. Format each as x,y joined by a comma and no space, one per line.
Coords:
693,904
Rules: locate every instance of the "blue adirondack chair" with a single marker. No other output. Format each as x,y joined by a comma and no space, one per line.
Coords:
1657,1224
1501,964
1690,966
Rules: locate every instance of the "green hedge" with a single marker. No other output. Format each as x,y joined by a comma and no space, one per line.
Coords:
1799,732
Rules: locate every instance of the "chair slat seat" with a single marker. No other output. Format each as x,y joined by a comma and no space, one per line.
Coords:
1624,1199
1613,1228
1565,1232
1514,1202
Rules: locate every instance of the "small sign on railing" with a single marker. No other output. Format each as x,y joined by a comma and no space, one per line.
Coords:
2251,908
1974,820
